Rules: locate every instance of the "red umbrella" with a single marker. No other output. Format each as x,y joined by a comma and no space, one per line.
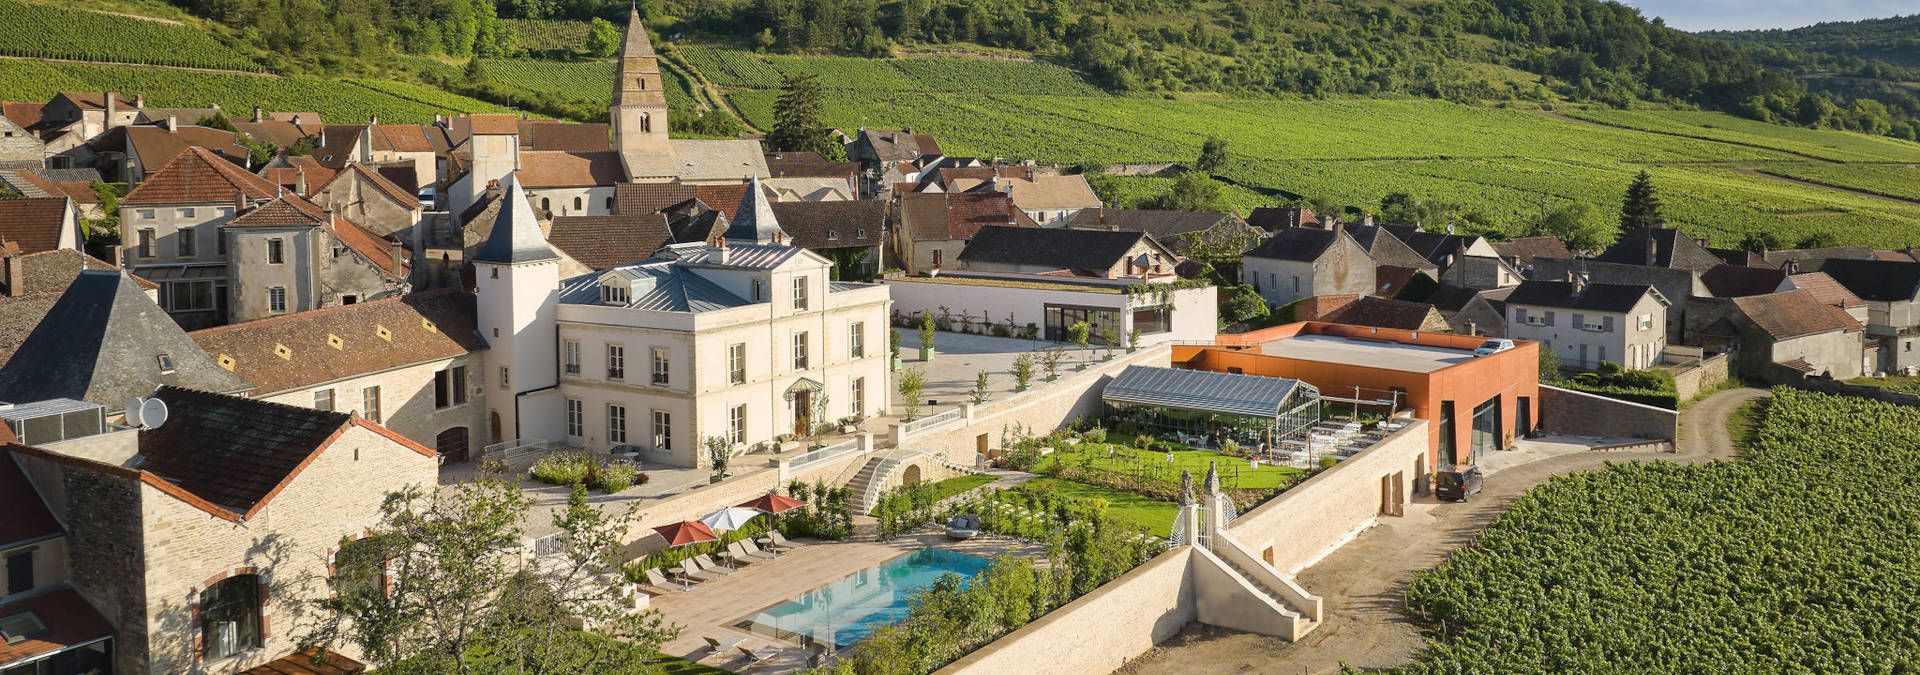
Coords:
773,503
686,532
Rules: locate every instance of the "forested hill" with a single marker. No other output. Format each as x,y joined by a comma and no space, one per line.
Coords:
1895,40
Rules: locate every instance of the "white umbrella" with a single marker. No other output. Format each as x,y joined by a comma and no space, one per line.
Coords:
730,518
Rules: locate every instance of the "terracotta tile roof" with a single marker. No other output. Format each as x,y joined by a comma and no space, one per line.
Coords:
602,242
724,198
81,192
95,100
944,216
1384,313
645,198
1793,314
27,516
403,175
376,250
304,662
234,452
24,114
29,183
1826,290
282,135
1524,249
1729,281
34,223
157,146
1314,307
548,169
403,137
832,224
808,165
565,136
494,124
286,210
1389,280
70,622
19,316
305,119
338,143
198,176
313,360
53,271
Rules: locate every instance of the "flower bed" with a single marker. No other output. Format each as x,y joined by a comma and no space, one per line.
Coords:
579,468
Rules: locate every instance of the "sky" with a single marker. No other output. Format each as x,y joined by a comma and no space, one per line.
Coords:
1696,15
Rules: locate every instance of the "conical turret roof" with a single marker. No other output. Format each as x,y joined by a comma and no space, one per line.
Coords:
516,234
753,220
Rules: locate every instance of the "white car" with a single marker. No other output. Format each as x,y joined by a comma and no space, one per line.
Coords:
1493,346
426,197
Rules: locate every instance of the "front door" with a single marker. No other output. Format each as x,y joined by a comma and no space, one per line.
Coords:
1523,424
802,409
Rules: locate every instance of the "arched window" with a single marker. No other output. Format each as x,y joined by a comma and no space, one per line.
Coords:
230,616
576,203
646,123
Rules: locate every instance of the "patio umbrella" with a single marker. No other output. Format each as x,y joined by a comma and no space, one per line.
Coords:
773,503
686,532
730,518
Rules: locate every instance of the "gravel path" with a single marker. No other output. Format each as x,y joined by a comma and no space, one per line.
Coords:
1364,583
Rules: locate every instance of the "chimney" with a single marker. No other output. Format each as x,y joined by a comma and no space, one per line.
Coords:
173,124
1579,284
139,100
300,181
1367,220
373,119
1472,328
720,246
16,274
107,96
1653,249
1339,227
256,114
399,257
113,256
215,107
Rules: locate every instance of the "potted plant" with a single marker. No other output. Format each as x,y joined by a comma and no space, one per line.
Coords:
926,336
787,442
893,351
719,452
849,424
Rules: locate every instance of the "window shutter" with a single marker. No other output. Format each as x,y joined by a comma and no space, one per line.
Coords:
1549,317
1520,314
1607,324
1579,320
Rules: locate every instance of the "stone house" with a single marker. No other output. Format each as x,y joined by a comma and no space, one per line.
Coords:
20,147
1183,232
1661,257
1890,290
875,148
1277,218
410,363
86,114
1305,262
289,255
1520,251
1051,200
362,195
1093,254
1387,250
172,225
935,226
1827,291
131,153
850,233
1791,328
204,540
1588,323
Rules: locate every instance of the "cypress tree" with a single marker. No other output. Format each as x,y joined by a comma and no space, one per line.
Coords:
1641,209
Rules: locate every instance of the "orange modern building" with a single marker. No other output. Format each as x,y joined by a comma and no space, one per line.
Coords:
1475,404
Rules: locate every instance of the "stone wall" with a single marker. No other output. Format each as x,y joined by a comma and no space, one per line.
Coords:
1100,631
1794,378
1041,409
1303,524
407,400
1573,413
107,551
1702,376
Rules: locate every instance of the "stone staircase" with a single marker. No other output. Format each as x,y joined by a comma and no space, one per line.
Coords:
866,483
1286,608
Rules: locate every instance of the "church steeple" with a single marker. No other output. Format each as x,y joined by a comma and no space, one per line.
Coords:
639,100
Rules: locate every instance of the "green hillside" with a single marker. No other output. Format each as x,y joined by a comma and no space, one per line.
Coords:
343,101
54,32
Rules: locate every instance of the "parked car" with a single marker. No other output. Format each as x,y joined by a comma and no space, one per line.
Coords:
1493,346
1457,483
428,198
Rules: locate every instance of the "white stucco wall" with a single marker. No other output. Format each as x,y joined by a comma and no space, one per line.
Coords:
1195,310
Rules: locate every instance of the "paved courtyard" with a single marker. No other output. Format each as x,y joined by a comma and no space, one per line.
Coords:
959,357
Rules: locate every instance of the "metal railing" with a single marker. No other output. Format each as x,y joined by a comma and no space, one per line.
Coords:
930,421
826,454
517,450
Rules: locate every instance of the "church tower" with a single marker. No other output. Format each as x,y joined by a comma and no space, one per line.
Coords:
639,99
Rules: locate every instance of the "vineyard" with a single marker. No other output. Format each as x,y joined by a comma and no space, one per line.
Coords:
548,36
335,100
1800,558
746,70
53,32
576,80
1892,180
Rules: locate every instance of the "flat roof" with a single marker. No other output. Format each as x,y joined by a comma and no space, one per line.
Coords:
1371,353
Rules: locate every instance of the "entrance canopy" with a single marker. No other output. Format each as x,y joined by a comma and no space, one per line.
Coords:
1207,391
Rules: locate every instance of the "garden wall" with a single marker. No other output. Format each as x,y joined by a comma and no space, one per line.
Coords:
1045,407
1574,413
1303,524
1100,631
1706,374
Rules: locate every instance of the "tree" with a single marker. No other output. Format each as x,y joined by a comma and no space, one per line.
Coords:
1109,340
1641,208
461,591
1133,339
796,117
603,39
476,73
1079,333
1192,191
719,453
979,392
1569,223
1757,242
912,383
1213,155
1050,362
1818,240
1549,363
1242,303
893,344
1022,372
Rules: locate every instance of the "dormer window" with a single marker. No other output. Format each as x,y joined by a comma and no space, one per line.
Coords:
832,235
613,294
166,364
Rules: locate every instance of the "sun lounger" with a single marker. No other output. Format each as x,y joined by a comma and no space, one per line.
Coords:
779,541
747,545
707,563
691,570
656,578
756,656
739,554
721,645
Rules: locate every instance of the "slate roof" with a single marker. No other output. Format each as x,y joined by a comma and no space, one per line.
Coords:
1383,313
233,452
943,216
281,134
600,242
27,516
1451,298
1387,249
1875,280
1299,244
1811,258
1729,281
1094,250
515,237
547,169
1163,225
18,317
1793,314
1522,250
1826,290
422,327
1436,247
818,225
808,165
34,223
693,220
1201,390
198,176
739,255
1615,298
53,271
1672,250
753,219
893,146
675,289
101,342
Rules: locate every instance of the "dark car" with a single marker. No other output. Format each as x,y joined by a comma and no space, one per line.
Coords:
1457,483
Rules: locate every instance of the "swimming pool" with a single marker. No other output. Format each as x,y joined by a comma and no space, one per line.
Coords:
846,611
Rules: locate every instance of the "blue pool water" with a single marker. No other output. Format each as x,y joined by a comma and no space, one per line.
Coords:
846,611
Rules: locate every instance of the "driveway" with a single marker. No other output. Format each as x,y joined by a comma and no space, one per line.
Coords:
1364,583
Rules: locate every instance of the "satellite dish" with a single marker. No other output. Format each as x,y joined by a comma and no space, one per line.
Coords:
153,413
133,411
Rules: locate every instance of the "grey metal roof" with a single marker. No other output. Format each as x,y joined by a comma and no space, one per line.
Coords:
1201,390
675,289
516,234
101,342
739,255
844,286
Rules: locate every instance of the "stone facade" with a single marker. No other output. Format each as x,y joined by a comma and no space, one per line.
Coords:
19,147
1585,339
154,235
1343,269
407,404
315,270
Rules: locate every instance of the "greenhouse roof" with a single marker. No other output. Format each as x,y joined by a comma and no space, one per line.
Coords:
1205,391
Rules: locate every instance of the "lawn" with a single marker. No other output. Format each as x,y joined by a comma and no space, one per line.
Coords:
1154,516
1235,472
953,486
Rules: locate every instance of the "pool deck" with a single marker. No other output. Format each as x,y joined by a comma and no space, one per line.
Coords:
711,608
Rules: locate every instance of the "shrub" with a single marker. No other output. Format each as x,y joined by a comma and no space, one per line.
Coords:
562,469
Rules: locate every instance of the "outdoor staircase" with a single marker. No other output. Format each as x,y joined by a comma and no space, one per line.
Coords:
1286,608
866,482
